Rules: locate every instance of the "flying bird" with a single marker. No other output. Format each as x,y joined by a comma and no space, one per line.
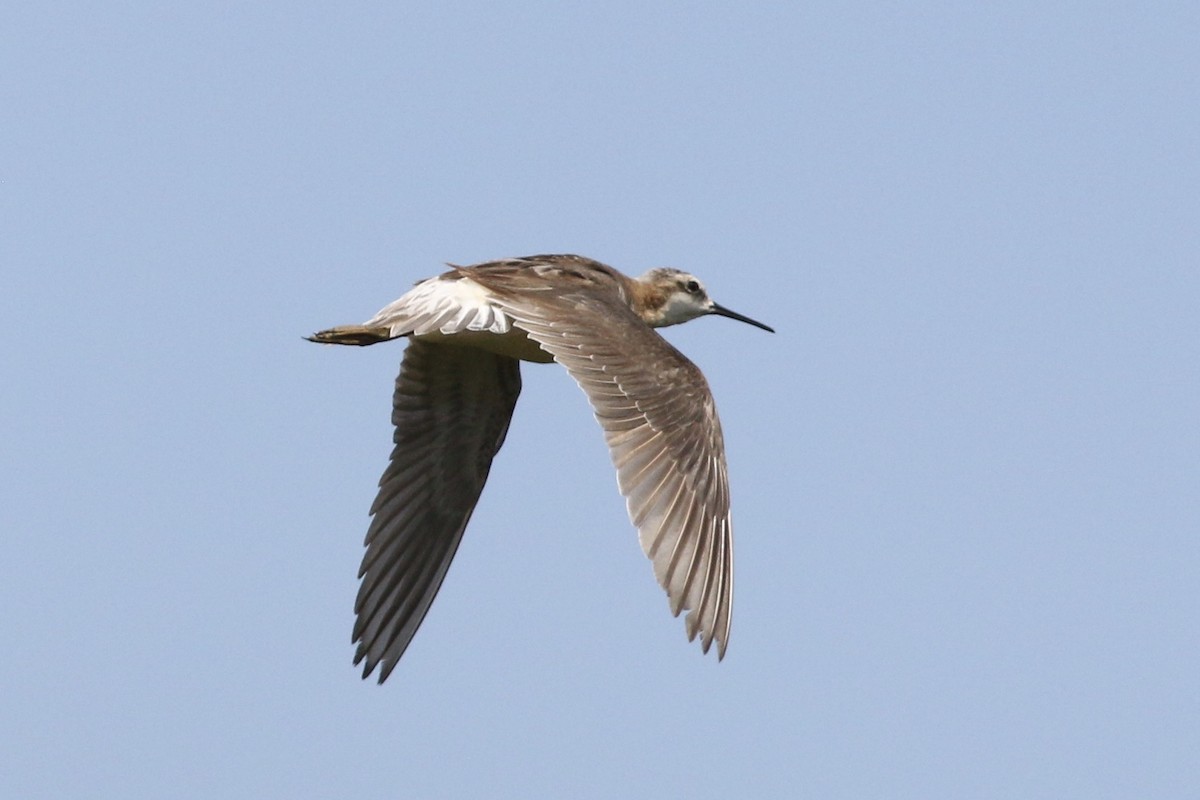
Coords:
468,329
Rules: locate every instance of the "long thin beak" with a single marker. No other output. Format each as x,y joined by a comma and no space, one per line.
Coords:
722,311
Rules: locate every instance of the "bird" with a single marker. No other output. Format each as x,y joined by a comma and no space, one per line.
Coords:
468,329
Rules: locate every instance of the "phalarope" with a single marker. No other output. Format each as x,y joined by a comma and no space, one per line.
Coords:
468,329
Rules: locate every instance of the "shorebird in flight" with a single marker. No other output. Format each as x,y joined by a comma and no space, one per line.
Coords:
468,329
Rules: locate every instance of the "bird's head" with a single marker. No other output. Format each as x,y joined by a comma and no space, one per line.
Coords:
671,296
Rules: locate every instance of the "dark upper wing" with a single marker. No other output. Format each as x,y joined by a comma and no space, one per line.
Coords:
451,409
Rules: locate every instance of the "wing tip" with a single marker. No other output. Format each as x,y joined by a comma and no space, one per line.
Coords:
384,664
707,636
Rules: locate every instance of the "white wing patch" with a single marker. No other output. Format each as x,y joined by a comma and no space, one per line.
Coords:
443,305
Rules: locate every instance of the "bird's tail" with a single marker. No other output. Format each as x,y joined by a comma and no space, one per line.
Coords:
360,335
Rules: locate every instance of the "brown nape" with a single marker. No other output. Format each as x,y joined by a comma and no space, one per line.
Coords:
359,335
646,299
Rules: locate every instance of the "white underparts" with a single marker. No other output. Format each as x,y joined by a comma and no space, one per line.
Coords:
457,311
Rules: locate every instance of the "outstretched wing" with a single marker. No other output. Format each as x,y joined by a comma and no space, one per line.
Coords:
665,439
451,409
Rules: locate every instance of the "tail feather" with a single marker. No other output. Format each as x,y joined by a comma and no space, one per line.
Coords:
360,335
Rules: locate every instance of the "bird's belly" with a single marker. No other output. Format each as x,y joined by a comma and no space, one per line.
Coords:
515,343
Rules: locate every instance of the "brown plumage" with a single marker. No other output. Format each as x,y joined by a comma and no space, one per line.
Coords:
458,385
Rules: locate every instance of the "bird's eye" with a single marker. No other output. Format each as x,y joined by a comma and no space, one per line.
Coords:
692,287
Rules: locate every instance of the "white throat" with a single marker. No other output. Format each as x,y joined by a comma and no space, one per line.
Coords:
679,308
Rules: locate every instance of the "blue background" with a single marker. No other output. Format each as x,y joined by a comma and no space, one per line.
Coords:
964,471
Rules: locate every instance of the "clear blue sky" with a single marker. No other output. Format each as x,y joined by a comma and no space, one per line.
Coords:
965,472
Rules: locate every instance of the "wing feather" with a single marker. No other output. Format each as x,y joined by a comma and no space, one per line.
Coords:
451,411
664,437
